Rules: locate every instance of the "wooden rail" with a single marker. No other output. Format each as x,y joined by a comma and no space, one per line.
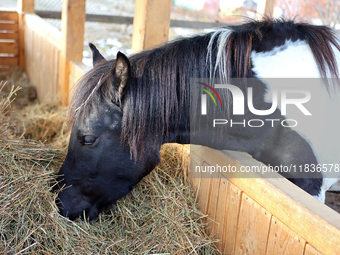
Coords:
129,20
251,214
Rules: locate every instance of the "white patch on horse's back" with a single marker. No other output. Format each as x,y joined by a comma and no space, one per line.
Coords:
291,60
322,129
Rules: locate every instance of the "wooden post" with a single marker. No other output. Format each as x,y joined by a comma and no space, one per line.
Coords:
72,30
24,6
265,7
150,24
269,8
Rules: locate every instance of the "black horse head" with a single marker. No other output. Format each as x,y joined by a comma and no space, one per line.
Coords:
99,167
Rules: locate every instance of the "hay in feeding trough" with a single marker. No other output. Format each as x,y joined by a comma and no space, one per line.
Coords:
159,216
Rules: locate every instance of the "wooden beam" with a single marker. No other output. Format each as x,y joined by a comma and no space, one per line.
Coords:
24,6
9,16
72,29
269,8
9,48
129,20
13,27
11,61
9,36
151,24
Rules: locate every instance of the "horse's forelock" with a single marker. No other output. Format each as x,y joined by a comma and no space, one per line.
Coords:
86,91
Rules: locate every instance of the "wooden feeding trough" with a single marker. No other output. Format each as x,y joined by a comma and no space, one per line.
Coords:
249,215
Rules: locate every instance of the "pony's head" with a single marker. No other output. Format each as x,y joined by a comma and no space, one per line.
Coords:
99,167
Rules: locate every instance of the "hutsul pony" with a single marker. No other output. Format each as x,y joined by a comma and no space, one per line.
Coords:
123,110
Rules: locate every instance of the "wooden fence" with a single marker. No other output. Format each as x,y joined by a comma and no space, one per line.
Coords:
42,55
251,214
9,39
42,58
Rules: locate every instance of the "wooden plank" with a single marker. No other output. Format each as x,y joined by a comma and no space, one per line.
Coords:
9,27
46,30
313,221
151,24
269,8
21,40
24,6
9,47
204,194
12,61
9,36
77,70
29,51
9,16
221,212
195,178
310,250
252,229
55,76
73,23
265,7
5,68
231,218
213,204
284,241
37,55
45,77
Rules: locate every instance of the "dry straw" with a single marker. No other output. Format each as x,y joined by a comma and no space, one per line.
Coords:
159,216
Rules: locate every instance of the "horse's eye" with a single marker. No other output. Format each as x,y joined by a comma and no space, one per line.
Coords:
88,139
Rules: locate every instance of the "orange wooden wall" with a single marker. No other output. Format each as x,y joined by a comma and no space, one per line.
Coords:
9,39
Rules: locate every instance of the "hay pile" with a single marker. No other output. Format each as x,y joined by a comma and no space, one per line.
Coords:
42,122
17,77
159,216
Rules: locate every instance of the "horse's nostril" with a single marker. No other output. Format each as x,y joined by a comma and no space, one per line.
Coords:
92,213
73,211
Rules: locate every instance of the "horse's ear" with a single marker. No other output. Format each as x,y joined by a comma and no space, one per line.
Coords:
121,71
96,56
